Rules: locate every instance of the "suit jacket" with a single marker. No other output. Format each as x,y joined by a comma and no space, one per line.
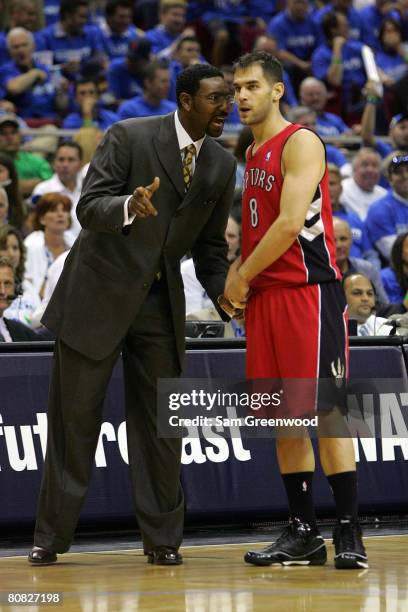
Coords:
20,332
110,269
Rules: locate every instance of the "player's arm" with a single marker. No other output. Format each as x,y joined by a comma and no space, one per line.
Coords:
303,164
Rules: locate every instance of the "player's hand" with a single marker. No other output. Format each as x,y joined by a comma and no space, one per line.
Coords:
140,203
234,313
236,287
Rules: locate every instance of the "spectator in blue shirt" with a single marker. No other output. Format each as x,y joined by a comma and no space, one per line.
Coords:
297,38
171,26
90,112
344,6
186,53
27,83
372,17
314,94
70,39
339,62
23,14
117,30
392,55
395,277
307,117
154,101
125,76
388,216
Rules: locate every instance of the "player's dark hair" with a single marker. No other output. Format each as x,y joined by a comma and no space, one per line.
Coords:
70,7
397,263
112,5
272,68
188,81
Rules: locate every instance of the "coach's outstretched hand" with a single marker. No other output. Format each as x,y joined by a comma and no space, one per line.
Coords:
236,287
140,203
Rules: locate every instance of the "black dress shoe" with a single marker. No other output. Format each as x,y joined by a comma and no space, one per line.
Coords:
164,555
41,556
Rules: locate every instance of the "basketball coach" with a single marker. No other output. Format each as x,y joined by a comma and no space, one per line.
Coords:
157,187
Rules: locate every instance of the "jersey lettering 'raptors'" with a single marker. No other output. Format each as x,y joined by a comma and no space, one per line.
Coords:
312,257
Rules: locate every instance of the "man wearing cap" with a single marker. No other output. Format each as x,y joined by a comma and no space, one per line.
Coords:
388,217
125,75
31,168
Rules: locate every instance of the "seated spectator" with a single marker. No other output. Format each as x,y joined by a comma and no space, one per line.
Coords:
9,180
117,29
398,130
395,277
70,39
345,7
27,299
196,297
360,296
54,272
186,53
90,112
391,57
307,117
48,241
313,93
11,331
339,62
297,37
388,216
125,76
172,21
351,265
156,86
267,43
27,83
359,243
362,188
67,180
22,14
31,168
372,16
4,207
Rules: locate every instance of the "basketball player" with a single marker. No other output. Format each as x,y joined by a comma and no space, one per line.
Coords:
296,310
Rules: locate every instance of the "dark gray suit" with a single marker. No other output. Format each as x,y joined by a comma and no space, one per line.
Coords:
107,302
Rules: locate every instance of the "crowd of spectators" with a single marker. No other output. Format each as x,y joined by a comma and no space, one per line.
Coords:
81,65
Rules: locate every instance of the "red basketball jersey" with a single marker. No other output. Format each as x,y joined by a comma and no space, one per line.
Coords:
312,257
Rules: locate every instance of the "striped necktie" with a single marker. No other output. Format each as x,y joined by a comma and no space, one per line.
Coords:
189,153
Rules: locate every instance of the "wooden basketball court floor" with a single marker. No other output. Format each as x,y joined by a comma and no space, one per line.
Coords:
214,578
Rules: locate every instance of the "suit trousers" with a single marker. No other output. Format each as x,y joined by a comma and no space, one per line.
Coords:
77,391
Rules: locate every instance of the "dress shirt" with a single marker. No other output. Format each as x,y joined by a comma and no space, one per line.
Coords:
183,141
4,331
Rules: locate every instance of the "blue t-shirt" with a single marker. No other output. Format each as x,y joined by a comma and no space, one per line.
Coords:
159,38
104,119
353,18
359,245
122,83
115,45
392,64
387,216
37,101
329,124
51,11
138,107
334,156
298,37
354,76
391,285
225,10
70,48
